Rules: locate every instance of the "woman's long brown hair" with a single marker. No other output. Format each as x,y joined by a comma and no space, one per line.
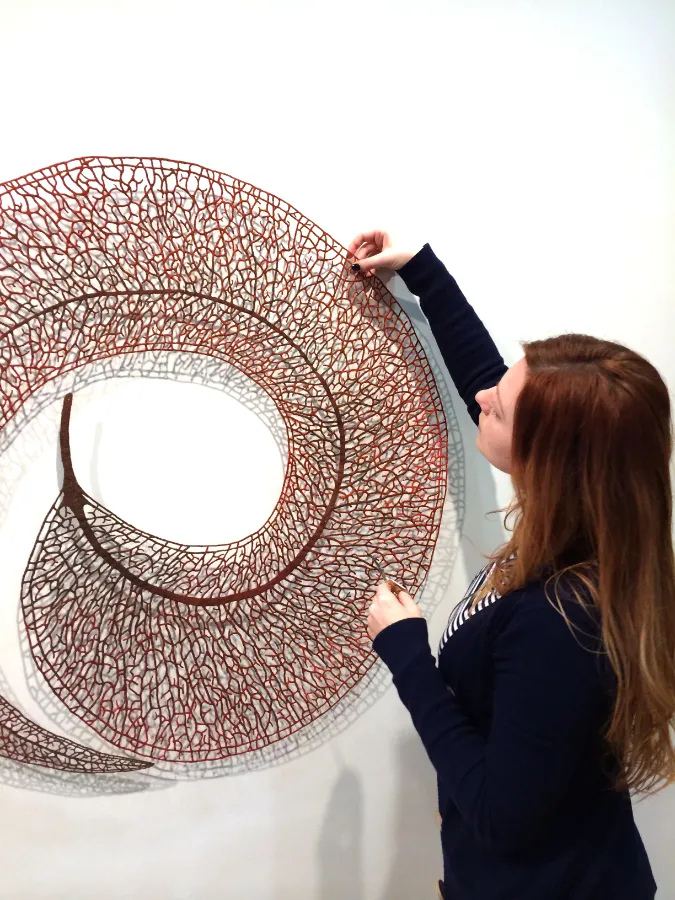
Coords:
592,443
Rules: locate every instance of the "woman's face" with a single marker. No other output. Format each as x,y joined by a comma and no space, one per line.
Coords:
495,425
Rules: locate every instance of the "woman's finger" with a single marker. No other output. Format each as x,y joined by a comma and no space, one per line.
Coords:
409,604
379,261
376,237
384,595
366,250
364,238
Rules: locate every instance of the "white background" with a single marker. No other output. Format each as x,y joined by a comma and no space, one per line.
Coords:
533,145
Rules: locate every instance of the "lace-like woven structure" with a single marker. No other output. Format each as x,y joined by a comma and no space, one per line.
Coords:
195,653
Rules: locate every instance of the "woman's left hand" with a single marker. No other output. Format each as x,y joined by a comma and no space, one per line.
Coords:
387,607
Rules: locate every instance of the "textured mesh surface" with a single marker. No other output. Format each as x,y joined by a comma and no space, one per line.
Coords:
190,654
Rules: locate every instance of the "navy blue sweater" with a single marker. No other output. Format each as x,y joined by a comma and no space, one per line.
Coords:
513,715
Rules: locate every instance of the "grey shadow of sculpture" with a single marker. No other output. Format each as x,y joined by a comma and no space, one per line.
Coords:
417,862
417,859
340,844
481,532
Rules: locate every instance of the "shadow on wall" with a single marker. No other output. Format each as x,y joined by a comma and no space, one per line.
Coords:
340,844
416,858
487,533
416,852
482,533
414,834
416,861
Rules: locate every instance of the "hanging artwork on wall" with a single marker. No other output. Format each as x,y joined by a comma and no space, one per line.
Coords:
207,659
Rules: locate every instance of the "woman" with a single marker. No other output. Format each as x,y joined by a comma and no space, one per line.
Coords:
555,686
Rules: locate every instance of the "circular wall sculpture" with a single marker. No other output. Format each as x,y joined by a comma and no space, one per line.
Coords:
177,654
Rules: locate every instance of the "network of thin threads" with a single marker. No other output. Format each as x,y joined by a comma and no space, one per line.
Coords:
207,371
48,780
24,741
252,641
26,438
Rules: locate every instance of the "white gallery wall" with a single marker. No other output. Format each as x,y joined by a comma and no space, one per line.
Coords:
533,144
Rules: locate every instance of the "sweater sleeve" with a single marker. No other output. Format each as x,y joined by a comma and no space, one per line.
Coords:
470,354
508,784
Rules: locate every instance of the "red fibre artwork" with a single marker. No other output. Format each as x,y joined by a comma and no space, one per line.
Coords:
188,654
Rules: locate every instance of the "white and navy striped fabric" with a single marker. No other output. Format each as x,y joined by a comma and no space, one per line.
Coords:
463,610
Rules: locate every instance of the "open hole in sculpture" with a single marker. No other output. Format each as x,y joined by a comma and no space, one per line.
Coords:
184,461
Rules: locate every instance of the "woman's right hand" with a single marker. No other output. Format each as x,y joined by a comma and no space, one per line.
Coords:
374,250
